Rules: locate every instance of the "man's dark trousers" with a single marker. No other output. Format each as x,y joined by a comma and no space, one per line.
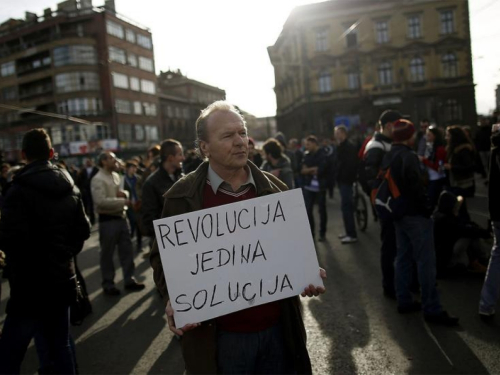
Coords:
310,197
388,252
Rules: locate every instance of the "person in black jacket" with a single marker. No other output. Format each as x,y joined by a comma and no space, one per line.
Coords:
314,184
346,168
43,227
491,287
414,230
157,184
375,151
83,179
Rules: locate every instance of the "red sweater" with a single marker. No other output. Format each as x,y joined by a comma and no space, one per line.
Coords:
256,318
440,157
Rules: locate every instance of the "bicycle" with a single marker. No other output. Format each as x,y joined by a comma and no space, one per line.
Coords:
360,208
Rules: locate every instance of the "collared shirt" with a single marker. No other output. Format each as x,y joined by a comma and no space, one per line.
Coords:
217,182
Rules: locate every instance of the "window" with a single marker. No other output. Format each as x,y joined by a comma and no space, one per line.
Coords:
139,133
149,109
414,31
177,112
137,108
120,80
117,55
325,82
9,93
447,25
148,86
125,132
151,132
134,84
123,106
114,29
77,81
385,73
352,39
144,41
75,54
170,112
185,113
146,64
450,66
452,110
353,80
322,40
80,106
417,71
8,69
102,131
132,59
382,28
130,36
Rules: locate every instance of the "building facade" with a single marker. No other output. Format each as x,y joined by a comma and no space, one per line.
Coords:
346,61
79,62
181,101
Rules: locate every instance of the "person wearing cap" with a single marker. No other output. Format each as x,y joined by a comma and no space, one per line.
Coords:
111,204
130,181
375,151
414,230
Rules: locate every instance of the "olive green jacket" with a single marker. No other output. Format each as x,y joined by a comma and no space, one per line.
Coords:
199,346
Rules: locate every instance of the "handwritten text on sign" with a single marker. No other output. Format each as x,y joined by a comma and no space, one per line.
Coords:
228,258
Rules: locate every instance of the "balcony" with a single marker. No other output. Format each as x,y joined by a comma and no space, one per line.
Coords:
29,93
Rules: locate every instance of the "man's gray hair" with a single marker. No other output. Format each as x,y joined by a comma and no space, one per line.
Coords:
201,122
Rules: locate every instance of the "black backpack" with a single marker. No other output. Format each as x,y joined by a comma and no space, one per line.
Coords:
386,196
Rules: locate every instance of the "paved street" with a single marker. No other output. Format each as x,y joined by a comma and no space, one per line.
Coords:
351,329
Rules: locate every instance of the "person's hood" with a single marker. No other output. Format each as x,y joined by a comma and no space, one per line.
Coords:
447,202
46,178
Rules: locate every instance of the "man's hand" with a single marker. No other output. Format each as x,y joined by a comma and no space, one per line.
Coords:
312,290
276,172
421,158
171,323
447,166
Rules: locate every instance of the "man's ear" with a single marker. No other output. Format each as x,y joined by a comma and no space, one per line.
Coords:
51,154
204,149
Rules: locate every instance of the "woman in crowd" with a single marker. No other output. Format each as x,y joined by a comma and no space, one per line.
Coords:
277,162
461,166
434,160
253,154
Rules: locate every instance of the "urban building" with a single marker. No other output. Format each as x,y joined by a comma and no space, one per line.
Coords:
262,128
81,62
181,101
345,61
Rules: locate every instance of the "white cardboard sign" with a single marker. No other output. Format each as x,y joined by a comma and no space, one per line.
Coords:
228,258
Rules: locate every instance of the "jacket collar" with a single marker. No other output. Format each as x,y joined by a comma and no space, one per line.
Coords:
190,185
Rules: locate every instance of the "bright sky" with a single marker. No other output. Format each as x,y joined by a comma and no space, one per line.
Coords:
224,42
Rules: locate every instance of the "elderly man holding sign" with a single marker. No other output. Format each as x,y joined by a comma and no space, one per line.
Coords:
235,250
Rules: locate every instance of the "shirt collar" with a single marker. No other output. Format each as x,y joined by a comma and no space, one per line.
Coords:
216,181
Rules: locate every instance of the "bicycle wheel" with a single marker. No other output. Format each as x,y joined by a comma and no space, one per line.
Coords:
361,213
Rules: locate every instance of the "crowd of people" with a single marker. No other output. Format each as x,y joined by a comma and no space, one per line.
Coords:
48,210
